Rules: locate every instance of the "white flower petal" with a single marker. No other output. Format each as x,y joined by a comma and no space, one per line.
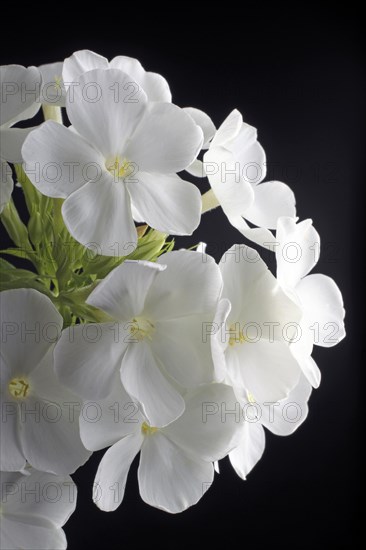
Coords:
233,192
297,251
12,140
110,419
56,423
11,453
123,292
219,338
136,215
167,203
256,297
49,445
154,85
183,352
190,285
258,235
168,478
6,184
17,100
285,416
266,369
241,268
201,247
250,155
228,130
56,507
44,384
53,90
166,140
102,111
110,481
31,325
302,348
196,169
58,161
80,62
30,533
272,199
87,356
310,369
250,448
208,428
98,215
204,122
323,306
144,381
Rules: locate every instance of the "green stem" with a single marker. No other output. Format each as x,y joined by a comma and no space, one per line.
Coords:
16,229
57,216
52,112
209,201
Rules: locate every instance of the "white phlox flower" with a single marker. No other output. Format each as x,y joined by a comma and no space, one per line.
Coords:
235,165
297,252
118,161
156,342
176,462
254,325
37,425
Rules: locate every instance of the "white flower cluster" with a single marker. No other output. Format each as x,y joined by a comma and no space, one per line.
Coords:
118,341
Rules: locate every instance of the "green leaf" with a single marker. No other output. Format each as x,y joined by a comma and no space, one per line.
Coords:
11,277
5,265
19,253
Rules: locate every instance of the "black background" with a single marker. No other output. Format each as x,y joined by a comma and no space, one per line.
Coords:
299,78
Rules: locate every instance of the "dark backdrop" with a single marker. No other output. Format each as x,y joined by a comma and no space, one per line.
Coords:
299,79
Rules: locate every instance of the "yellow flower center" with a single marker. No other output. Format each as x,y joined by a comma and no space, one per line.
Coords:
236,335
58,80
141,328
148,430
119,168
250,397
19,387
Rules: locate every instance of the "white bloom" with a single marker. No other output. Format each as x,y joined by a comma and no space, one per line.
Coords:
254,324
176,461
156,342
6,184
154,85
236,165
297,252
37,425
19,99
251,351
53,90
118,152
34,506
